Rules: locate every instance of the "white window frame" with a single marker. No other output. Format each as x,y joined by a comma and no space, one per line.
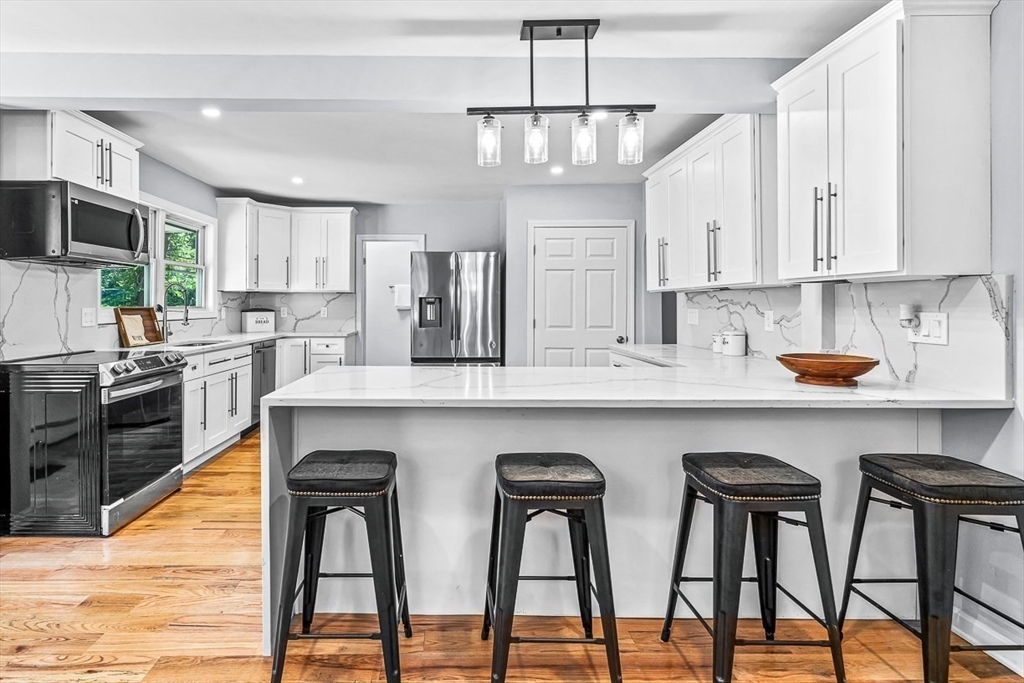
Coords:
159,210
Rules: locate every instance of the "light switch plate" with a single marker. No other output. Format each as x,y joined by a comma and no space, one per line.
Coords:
88,317
284,311
933,329
692,316
323,311
769,321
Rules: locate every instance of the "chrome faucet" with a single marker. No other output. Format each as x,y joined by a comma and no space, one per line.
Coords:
184,298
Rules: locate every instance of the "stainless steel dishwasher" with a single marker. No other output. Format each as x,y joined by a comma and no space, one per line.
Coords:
264,375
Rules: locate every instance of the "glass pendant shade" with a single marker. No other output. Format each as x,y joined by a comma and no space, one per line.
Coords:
488,142
535,139
584,140
631,139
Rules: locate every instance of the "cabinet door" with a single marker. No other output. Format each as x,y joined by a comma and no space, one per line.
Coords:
863,146
122,167
677,242
803,174
194,429
734,189
700,164
273,249
76,151
307,243
218,405
292,360
336,271
657,230
242,399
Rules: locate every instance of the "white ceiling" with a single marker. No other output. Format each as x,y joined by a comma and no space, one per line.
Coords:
633,28
391,153
388,158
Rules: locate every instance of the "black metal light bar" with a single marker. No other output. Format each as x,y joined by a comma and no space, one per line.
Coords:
561,29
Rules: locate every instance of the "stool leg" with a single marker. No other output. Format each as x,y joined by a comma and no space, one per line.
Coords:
935,537
765,528
730,539
581,568
598,536
313,554
682,540
378,529
510,555
399,550
816,529
863,500
289,576
492,567
1020,525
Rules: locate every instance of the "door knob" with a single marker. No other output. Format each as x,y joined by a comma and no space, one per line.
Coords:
621,340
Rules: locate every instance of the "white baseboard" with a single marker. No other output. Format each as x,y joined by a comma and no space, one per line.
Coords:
975,632
194,464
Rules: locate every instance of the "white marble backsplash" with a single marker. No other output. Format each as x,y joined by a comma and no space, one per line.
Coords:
41,312
744,310
977,360
304,311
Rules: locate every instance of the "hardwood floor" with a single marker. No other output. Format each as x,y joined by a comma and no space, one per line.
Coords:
174,598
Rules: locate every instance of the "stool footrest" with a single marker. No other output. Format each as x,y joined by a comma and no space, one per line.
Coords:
956,589
334,636
547,578
577,641
346,575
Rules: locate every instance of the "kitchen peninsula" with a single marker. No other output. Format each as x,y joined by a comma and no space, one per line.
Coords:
447,424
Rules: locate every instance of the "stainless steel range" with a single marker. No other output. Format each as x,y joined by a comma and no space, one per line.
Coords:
94,440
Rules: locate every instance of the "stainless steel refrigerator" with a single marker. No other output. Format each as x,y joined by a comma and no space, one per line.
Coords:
456,308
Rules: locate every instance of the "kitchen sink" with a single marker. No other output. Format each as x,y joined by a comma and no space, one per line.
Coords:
198,343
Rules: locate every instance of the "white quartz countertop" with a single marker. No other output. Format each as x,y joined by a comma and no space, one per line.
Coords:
700,382
228,341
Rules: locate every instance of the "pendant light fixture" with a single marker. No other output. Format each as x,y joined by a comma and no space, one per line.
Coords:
584,140
488,141
631,139
584,126
535,139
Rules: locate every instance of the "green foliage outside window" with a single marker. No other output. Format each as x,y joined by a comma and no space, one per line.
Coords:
123,286
182,249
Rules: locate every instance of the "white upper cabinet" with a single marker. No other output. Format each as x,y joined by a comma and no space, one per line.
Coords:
322,249
68,145
705,202
272,248
884,148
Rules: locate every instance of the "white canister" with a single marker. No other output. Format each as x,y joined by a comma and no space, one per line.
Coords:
734,343
716,342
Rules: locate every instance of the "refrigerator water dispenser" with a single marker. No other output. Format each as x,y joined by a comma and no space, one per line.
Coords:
430,311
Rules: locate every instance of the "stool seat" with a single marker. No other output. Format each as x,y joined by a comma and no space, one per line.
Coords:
343,473
943,479
551,476
750,476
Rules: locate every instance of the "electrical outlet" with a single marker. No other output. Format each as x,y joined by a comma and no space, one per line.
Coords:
692,316
284,311
769,321
323,311
88,317
932,329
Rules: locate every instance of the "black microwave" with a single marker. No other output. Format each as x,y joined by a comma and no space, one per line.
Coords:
57,222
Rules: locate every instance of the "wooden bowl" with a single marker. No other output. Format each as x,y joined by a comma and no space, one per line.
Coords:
827,369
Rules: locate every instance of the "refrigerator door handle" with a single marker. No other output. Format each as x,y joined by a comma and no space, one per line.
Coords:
456,303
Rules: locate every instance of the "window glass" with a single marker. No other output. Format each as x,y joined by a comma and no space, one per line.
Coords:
189,278
124,287
181,243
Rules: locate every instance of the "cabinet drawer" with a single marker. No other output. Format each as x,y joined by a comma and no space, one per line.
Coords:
227,359
196,367
333,346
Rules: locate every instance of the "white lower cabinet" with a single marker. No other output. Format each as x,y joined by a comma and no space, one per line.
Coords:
217,400
300,356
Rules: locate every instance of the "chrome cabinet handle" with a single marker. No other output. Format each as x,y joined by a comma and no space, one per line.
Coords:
287,272
202,422
661,263
664,261
110,164
707,248
102,176
323,273
257,271
717,236
828,225
817,199
305,358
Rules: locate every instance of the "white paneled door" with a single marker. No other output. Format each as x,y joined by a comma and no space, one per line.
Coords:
583,292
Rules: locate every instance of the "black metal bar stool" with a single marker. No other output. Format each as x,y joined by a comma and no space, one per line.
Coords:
742,485
362,482
566,484
938,489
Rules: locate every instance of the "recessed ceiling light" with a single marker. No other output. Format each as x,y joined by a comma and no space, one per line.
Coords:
297,180
556,170
211,112
599,115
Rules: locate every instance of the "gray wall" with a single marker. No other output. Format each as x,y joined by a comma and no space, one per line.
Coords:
990,563
165,182
471,226
569,202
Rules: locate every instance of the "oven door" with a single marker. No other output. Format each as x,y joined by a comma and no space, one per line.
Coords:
142,434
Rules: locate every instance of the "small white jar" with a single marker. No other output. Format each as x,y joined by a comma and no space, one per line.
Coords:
734,343
716,342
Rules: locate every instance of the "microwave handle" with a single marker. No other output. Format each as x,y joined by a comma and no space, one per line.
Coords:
142,233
